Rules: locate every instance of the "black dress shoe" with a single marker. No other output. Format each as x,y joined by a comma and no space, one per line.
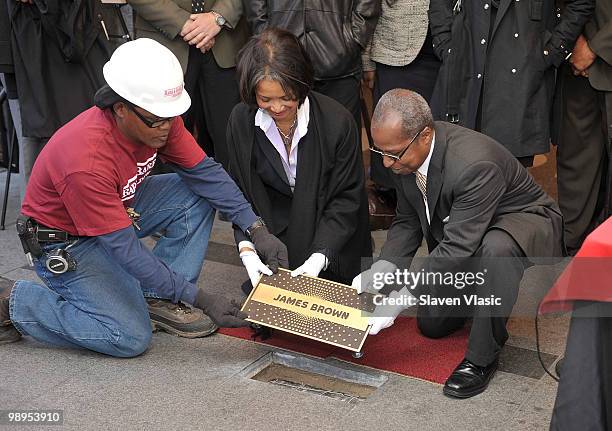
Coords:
469,379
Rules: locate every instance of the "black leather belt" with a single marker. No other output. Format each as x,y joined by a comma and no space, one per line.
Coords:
46,234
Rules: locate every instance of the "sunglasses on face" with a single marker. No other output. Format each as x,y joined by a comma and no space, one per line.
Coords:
153,124
396,157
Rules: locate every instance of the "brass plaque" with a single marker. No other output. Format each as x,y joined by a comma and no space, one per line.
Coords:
311,307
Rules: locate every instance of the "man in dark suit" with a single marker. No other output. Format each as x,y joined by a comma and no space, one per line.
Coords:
583,128
472,201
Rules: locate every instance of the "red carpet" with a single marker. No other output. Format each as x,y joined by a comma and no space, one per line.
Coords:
400,349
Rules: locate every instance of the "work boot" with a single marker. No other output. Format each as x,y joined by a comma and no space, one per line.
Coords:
8,333
179,319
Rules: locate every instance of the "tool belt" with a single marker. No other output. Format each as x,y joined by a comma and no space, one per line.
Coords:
34,235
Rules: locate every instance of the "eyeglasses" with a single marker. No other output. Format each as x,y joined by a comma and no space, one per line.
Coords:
396,157
149,123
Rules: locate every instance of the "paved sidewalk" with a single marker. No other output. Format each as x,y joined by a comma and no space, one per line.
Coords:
181,384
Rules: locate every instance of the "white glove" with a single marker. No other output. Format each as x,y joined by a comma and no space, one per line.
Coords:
254,266
365,282
316,263
384,315
380,323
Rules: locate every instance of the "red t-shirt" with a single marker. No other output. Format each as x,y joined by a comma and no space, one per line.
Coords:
88,172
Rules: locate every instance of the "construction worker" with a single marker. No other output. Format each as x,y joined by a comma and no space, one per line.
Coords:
89,200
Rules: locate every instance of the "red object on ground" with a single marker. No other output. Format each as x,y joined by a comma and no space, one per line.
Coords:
588,277
399,349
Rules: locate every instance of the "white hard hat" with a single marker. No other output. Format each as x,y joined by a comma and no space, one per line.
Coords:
148,75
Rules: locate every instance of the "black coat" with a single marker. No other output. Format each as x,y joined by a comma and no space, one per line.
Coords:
59,49
329,210
6,58
333,32
509,69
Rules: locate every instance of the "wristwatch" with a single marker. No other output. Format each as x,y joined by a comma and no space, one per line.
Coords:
256,224
219,19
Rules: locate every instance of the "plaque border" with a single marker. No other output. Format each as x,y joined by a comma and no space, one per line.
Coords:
295,332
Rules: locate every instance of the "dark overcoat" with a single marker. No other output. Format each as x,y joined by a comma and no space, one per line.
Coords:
59,48
506,70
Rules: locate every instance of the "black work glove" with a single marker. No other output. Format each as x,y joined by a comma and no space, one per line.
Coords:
270,248
221,310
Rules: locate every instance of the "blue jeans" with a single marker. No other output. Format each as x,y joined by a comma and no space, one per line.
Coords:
99,306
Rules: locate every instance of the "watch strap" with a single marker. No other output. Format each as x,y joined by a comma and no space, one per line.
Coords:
219,19
256,224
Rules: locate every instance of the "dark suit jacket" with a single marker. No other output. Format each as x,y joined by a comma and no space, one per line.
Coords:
598,32
163,20
478,185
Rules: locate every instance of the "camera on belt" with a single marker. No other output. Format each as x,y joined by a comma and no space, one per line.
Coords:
32,234
59,261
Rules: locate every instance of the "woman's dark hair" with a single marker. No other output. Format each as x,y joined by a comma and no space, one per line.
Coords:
278,55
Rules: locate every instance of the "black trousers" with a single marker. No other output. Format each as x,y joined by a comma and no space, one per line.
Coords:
505,264
419,76
584,396
345,91
582,157
214,93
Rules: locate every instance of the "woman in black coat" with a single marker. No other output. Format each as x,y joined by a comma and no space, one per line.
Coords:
296,155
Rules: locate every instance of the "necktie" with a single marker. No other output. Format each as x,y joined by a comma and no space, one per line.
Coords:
197,6
421,182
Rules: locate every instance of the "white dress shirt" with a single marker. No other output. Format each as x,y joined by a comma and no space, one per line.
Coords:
265,122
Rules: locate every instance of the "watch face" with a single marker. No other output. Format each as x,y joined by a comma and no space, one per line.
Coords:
220,21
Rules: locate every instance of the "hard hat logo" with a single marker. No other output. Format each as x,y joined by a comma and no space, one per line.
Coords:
174,92
148,75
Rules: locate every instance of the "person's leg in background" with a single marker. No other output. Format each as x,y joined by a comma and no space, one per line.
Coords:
346,91
581,156
219,94
214,92
584,394
194,116
167,205
29,148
